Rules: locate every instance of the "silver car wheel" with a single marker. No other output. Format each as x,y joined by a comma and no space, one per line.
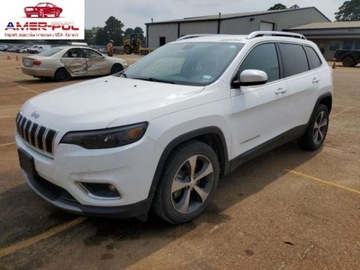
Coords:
192,184
320,128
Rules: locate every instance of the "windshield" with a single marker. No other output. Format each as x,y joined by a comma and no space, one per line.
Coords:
50,52
188,63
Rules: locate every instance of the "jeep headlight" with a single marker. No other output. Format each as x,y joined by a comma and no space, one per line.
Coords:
106,138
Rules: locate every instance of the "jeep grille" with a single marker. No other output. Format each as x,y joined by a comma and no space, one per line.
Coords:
40,137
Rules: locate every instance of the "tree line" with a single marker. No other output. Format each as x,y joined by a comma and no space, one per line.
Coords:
112,30
348,11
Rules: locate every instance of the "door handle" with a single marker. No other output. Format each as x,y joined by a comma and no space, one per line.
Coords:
280,91
315,80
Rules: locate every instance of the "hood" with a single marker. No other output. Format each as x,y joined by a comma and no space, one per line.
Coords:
97,103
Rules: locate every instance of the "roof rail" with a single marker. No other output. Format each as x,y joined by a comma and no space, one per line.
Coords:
193,36
274,33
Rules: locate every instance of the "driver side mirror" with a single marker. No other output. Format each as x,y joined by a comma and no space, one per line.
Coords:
249,77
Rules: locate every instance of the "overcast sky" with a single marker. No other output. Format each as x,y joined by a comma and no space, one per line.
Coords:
133,13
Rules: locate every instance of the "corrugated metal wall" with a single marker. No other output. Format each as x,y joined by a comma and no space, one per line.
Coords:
155,31
202,27
239,25
242,25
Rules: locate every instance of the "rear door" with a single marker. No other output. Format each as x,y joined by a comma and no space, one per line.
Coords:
303,80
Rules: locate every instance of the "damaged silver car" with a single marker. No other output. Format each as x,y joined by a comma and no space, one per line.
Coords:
64,63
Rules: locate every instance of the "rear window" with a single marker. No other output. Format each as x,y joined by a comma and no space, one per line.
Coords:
314,59
50,52
294,59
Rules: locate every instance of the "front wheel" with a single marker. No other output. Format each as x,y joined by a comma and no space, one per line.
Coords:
116,68
188,182
315,134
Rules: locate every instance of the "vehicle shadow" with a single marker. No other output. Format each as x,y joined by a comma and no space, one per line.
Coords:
27,215
36,81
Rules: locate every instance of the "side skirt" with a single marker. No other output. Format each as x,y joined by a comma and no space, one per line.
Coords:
286,137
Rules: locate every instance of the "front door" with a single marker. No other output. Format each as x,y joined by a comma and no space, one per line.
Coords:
259,112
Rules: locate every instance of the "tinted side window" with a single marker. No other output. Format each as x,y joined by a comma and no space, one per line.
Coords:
348,44
294,59
91,54
357,45
313,57
263,57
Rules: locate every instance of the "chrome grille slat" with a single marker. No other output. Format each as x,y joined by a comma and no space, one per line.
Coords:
28,132
44,139
33,130
36,135
24,122
40,137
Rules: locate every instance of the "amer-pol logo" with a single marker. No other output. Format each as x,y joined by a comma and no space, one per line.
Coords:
43,20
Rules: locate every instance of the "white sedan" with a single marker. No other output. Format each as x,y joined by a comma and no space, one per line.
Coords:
63,63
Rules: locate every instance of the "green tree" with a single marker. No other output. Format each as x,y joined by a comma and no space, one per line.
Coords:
277,7
128,32
101,37
139,32
89,36
294,7
349,11
113,30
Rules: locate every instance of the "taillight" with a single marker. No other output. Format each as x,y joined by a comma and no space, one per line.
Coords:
36,63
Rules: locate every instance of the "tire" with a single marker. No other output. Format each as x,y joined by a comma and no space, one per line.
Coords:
188,182
116,68
348,62
28,15
127,49
57,14
315,134
62,75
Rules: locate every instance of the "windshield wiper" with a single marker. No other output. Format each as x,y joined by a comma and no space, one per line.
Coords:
151,79
122,74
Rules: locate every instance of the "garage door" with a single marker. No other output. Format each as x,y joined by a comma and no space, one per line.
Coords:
266,26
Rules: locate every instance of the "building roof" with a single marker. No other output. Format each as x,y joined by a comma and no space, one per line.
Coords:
328,25
221,16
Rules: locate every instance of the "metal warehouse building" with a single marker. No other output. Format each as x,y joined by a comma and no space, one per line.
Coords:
160,33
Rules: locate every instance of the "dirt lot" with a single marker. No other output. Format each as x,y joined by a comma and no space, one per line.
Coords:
287,209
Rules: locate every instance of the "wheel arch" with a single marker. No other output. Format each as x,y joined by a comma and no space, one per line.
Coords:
114,65
212,136
348,55
325,99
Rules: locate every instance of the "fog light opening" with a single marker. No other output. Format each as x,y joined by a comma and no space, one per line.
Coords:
100,190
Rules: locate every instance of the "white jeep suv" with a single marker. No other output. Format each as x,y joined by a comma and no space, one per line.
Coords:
160,134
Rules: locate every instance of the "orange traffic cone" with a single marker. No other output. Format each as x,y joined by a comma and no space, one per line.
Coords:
8,56
334,65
